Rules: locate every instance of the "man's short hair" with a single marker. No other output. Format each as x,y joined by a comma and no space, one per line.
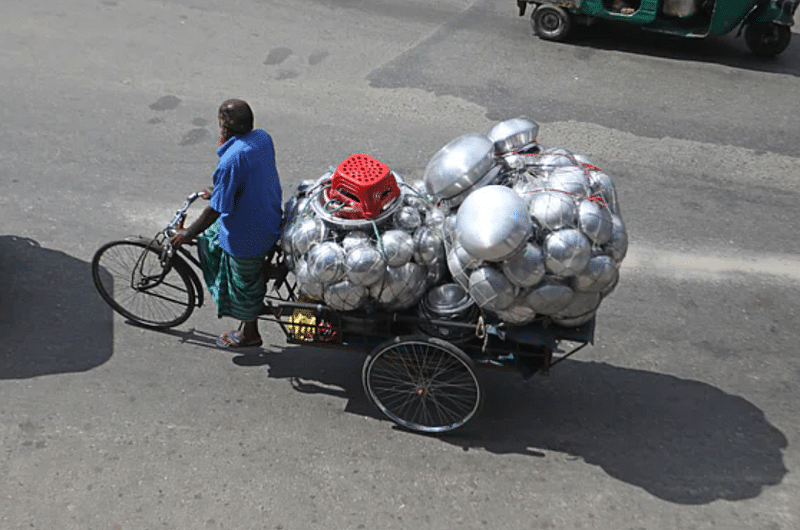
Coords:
236,116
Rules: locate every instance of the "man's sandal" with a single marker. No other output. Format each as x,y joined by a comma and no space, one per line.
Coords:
233,339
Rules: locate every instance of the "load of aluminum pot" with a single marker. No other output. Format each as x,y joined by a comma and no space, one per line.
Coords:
543,238
349,264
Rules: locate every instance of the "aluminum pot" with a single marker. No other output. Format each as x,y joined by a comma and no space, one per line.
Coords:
600,274
526,267
326,262
458,165
491,289
517,314
510,135
493,223
365,265
566,252
344,295
554,210
549,296
595,221
397,247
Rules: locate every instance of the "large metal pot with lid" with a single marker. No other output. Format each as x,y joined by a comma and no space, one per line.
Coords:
511,135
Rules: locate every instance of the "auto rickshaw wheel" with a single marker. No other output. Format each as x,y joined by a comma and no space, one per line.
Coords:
551,22
767,39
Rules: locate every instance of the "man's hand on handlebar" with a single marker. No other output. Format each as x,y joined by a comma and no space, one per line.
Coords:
180,237
206,193
185,235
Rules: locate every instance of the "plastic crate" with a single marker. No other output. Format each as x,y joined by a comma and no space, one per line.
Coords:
364,186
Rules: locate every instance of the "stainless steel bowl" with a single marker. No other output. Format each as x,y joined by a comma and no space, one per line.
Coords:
458,165
512,134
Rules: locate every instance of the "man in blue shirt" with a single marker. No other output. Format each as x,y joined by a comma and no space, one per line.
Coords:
240,224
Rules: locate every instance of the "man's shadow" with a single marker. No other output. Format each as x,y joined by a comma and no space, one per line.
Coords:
683,441
52,320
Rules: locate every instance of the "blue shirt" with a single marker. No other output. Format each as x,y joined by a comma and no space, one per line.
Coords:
247,194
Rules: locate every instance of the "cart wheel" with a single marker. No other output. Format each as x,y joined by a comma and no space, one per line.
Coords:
767,39
422,383
551,22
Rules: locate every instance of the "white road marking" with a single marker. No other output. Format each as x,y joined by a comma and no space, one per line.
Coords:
677,264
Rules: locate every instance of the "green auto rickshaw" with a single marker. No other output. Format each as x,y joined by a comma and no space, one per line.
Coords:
765,23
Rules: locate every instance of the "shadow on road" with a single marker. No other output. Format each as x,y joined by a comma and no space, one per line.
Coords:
683,441
51,318
727,50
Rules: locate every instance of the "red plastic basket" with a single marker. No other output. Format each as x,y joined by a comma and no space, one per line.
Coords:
364,185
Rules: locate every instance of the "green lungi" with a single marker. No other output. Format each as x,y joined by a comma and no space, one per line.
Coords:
236,284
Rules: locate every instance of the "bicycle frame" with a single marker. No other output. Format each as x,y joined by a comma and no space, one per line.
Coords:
161,242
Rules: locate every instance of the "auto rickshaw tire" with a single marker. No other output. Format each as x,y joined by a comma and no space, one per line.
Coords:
551,22
767,39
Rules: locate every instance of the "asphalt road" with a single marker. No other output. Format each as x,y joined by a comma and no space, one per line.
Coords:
683,415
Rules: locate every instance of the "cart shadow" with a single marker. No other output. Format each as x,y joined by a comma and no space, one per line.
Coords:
52,320
682,441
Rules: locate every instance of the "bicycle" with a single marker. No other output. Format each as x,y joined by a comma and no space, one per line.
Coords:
149,281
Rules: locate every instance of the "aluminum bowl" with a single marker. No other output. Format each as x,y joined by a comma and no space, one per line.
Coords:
402,286
552,158
447,300
458,165
510,135
461,265
574,322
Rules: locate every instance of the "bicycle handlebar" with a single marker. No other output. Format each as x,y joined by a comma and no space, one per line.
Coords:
179,216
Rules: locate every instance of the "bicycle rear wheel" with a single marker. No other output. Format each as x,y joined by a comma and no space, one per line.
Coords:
132,280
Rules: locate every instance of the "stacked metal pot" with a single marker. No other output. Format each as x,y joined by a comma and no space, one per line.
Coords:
388,261
529,231
498,220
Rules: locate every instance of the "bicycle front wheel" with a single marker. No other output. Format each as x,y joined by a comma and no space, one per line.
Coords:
131,278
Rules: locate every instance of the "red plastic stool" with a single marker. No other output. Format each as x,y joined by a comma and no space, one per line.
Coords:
364,185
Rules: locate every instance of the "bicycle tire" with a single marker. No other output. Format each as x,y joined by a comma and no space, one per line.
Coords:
130,278
422,383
